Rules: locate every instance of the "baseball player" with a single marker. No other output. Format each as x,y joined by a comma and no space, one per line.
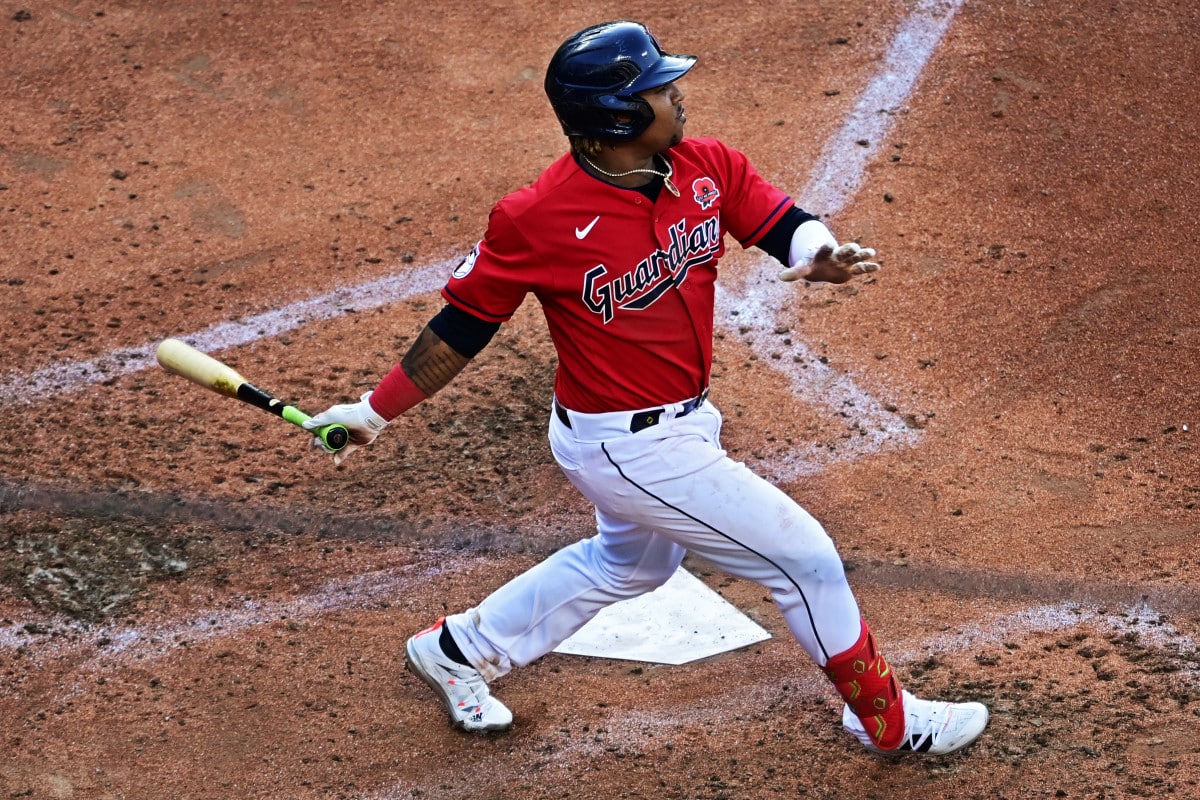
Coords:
619,240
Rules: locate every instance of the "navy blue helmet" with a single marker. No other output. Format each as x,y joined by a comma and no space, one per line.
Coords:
595,75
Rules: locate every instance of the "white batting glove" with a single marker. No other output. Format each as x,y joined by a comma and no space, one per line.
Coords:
361,421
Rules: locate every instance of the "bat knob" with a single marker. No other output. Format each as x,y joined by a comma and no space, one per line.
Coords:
335,436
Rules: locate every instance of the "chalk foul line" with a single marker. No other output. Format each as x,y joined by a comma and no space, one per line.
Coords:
55,380
835,179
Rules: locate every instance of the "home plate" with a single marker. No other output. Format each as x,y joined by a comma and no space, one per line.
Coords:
681,621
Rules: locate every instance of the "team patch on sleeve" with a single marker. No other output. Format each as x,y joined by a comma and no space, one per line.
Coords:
468,264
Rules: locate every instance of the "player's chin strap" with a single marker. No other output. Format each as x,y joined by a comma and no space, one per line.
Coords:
866,682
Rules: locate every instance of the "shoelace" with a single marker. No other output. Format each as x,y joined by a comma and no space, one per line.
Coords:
923,740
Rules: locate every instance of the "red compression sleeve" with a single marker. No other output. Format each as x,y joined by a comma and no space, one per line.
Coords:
395,394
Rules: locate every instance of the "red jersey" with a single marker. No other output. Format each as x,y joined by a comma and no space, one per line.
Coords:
626,284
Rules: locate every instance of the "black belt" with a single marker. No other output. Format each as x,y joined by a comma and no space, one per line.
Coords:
642,419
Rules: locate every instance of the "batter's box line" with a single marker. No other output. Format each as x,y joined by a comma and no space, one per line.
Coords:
871,426
101,647
362,590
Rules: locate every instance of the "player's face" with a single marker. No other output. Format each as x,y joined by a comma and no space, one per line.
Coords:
669,117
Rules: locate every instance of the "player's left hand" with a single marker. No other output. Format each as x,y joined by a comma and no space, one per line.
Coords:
834,265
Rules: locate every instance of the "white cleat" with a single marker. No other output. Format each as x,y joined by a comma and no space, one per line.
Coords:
931,727
462,688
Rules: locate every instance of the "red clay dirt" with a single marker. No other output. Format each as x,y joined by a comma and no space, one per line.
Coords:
194,604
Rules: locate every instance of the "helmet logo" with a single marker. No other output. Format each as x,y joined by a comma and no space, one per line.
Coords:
705,191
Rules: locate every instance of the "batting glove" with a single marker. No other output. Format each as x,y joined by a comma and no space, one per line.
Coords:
360,419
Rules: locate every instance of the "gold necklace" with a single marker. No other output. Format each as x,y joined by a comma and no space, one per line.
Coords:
666,176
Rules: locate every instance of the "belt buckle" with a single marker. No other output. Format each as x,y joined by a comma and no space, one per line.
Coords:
648,419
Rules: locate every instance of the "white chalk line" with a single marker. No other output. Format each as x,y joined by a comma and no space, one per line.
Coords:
104,647
18,389
843,161
107,647
835,179
637,729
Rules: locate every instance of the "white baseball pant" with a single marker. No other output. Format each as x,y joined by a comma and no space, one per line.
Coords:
659,493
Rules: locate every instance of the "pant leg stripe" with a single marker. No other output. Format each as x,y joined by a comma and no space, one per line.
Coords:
807,608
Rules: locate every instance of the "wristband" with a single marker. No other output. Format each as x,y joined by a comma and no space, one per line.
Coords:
395,394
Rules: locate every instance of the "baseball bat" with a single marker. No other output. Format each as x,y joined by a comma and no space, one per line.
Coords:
182,359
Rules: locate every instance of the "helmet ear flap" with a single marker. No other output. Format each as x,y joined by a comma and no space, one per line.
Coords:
630,116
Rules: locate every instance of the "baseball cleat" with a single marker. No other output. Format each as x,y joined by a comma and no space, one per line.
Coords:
463,690
931,727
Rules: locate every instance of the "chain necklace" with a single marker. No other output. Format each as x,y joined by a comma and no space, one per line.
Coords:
666,176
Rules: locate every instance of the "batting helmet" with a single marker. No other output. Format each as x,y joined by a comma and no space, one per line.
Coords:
595,75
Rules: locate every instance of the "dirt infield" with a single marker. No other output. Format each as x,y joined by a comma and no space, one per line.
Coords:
999,429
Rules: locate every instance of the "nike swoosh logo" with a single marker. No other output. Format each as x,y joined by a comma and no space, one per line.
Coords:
581,233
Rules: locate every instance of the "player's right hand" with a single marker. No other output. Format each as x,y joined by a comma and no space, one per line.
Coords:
360,419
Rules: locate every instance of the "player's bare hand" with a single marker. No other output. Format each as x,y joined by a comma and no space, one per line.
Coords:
834,265
360,419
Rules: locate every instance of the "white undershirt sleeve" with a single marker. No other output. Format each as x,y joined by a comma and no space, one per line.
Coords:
809,238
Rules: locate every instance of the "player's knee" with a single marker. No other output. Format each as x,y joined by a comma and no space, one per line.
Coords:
828,566
641,579
631,573
817,560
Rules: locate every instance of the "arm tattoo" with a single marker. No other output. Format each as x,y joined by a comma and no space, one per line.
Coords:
431,363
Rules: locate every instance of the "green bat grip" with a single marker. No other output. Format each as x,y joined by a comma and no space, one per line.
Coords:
334,436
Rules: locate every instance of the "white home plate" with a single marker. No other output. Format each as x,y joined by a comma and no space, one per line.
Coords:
683,620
